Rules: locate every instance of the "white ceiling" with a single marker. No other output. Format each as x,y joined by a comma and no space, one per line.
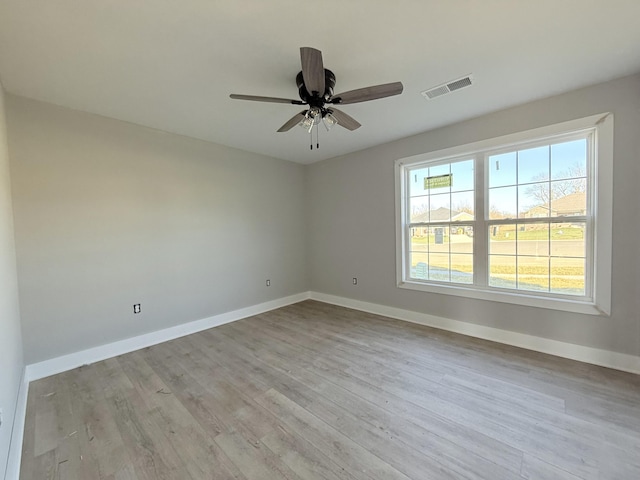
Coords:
172,64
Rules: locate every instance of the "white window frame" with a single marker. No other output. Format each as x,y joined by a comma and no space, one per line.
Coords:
597,301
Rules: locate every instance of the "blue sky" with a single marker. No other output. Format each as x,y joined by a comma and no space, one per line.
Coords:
506,171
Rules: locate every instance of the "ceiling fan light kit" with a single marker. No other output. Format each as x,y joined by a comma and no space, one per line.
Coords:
329,120
315,88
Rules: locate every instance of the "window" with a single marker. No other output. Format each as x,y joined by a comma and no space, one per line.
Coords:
441,221
521,219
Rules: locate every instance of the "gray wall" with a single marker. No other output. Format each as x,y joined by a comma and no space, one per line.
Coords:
109,214
11,364
352,222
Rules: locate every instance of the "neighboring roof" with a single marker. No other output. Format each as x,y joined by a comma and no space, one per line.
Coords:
441,214
574,202
567,205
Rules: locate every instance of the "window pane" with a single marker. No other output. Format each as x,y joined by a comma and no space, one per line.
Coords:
439,239
419,209
432,258
533,239
533,200
462,268
438,171
502,170
419,262
533,273
439,267
440,208
569,159
503,202
419,239
533,165
502,239
462,206
416,181
539,250
568,240
462,176
461,239
568,276
502,271
569,198
430,197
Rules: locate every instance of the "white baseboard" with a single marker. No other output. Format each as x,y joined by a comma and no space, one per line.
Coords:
605,358
595,356
64,363
17,431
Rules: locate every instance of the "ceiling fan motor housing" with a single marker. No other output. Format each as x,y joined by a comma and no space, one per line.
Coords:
317,93
317,100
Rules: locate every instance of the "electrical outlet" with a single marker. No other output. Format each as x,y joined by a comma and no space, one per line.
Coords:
136,308
268,283
355,280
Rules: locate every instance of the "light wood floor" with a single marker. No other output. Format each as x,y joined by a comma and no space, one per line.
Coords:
314,391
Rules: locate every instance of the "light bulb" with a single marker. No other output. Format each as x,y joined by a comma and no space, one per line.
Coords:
307,122
311,118
329,121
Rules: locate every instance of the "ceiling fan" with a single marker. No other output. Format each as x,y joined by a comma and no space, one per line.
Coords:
315,88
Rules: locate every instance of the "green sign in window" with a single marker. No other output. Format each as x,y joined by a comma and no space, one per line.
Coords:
438,181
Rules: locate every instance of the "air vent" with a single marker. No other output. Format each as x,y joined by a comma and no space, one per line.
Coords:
448,87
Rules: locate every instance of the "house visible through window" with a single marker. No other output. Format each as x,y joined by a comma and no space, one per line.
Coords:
545,189
509,220
441,214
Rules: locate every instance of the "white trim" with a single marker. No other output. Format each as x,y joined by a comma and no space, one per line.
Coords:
63,363
558,129
17,432
599,302
595,356
605,358
603,213
529,299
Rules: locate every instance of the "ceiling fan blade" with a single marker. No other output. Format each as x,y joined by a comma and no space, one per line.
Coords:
344,120
368,93
292,122
266,99
312,70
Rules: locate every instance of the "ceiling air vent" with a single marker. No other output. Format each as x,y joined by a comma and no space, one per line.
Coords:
448,87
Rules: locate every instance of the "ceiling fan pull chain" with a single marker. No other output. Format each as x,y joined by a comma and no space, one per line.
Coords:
315,88
317,137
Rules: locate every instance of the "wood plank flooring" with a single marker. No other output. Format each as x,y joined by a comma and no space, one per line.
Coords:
314,391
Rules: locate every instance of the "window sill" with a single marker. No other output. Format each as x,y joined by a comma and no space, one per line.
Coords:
527,299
